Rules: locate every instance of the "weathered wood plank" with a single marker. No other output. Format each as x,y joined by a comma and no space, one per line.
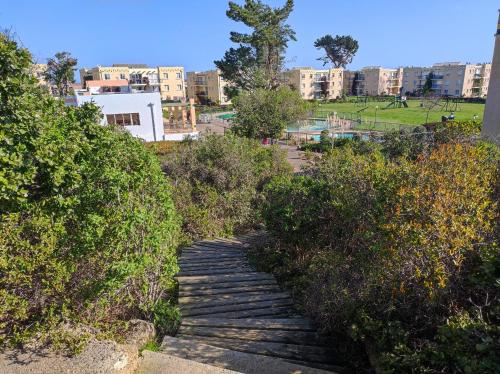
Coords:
278,336
283,350
258,287
225,285
267,312
301,324
235,270
221,256
232,264
205,279
204,311
203,302
210,261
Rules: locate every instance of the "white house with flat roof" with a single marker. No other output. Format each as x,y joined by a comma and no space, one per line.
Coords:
140,113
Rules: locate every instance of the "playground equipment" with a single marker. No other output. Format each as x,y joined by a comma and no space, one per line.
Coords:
397,102
361,100
444,104
452,104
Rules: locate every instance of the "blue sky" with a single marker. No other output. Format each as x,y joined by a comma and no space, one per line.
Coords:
193,33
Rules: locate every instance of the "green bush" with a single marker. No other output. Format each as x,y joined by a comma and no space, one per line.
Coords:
396,254
218,183
88,229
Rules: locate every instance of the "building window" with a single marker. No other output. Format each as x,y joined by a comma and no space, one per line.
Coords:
107,76
303,76
178,75
122,76
165,75
167,87
123,119
179,87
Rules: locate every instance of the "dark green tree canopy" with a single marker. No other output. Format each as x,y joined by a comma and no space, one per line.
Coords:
258,60
427,88
339,50
61,71
266,113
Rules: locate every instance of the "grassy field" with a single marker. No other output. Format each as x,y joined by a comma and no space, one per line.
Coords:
413,115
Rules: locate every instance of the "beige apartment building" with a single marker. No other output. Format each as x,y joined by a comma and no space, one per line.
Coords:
38,70
168,80
315,83
449,78
207,87
373,81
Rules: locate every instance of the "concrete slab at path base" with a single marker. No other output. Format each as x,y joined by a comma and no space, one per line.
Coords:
160,363
234,360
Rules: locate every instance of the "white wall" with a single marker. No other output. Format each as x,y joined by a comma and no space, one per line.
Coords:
132,103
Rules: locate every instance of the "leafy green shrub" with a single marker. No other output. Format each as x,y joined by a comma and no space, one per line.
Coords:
396,254
218,183
88,229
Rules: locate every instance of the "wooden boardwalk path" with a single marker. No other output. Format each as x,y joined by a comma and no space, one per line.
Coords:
225,303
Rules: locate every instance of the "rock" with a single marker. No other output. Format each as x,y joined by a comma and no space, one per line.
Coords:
140,332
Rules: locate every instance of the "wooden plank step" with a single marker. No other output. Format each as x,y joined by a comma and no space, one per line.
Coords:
226,358
204,301
290,351
220,256
219,246
278,336
226,285
299,324
204,279
210,253
265,287
228,262
209,261
267,312
215,266
219,297
246,306
234,270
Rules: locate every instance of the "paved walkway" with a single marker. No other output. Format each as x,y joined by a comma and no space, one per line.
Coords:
226,303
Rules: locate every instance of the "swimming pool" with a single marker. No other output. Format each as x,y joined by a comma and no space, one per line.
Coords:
309,125
343,135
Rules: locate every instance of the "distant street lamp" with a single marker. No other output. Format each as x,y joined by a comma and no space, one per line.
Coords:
376,109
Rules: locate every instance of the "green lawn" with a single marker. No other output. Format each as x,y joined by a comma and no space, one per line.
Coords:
413,115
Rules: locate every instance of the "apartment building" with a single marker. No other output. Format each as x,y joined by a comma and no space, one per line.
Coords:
38,70
373,81
315,83
207,87
167,80
449,78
